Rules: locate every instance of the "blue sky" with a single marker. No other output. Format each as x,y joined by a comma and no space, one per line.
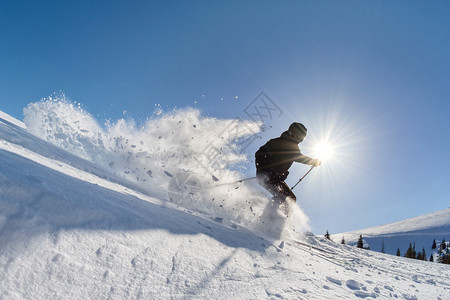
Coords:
372,75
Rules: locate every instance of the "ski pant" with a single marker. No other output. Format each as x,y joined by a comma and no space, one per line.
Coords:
278,188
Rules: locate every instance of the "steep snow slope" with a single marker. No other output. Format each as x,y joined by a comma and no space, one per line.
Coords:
420,231
12,120
68,231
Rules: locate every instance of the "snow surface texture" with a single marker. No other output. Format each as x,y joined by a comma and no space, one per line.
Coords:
420,231
69,230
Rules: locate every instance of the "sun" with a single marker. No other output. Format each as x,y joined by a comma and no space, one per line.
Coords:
323,151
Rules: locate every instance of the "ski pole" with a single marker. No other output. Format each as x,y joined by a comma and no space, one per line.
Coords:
238,181
231,183
312,167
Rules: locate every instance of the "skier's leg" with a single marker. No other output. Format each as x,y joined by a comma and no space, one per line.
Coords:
268,182
284,191
273,220
265,180
282,194
287,196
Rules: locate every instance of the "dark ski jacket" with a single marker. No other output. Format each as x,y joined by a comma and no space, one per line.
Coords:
276,157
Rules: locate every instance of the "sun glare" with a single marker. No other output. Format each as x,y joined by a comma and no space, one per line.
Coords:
323,151
339,137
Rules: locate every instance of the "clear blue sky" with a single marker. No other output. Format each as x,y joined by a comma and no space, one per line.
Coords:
374,74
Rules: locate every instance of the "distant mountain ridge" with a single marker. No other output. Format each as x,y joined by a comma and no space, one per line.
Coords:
420,230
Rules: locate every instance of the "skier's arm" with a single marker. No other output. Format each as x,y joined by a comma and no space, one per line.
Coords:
303,159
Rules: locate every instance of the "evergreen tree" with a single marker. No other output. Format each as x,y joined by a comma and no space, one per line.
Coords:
327,235
409,252
414,254
419,256
434,244
360,243
447,259
382,247
431,258
343,241
443,245
443,258
398,252
424,254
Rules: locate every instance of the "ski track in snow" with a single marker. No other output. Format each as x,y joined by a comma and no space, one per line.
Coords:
69,229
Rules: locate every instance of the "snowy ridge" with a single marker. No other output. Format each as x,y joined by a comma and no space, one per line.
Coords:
419,230
71,230
438,221
12,120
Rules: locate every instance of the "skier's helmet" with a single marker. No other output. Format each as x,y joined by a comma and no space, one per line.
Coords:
297,131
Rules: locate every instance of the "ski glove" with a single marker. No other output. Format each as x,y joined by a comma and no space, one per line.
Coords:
316,162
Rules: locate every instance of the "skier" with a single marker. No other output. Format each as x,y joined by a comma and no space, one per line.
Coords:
275,158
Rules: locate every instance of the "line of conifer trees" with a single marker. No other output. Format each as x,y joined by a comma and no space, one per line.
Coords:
443,251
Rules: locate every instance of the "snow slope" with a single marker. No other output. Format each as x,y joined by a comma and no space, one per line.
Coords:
70,229
420,231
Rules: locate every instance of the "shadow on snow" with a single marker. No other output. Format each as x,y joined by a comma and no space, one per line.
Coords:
46,200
